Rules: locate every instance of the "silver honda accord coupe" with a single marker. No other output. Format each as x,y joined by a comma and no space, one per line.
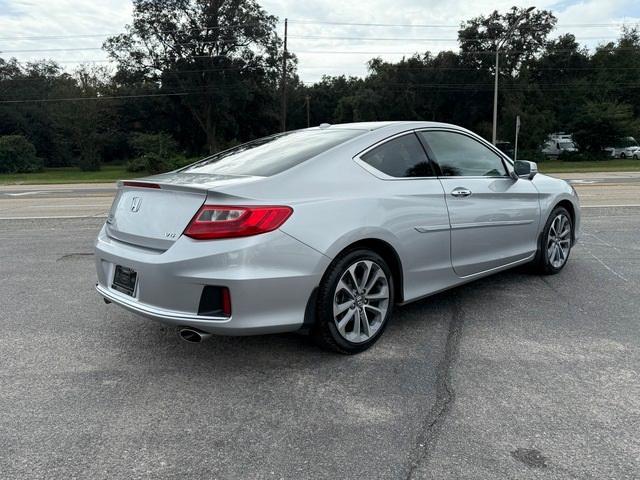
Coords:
324,230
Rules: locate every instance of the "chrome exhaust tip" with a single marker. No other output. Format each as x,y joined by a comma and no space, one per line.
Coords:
191,335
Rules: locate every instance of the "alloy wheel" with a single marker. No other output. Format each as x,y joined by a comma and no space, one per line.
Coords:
361,301
559,241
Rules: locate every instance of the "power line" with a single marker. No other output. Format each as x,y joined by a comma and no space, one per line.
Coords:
450,87
198,91
300,22
96,35
417,25
108,97
405,39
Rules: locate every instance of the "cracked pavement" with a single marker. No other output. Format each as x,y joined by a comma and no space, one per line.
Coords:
512,376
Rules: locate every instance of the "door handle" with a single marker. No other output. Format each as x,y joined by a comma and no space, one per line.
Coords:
461,192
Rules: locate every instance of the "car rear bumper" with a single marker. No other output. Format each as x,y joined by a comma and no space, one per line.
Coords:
270,278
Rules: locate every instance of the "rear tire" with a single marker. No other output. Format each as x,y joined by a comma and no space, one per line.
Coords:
355,302
555,243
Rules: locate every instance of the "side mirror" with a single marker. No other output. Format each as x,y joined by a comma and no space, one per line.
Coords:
525,169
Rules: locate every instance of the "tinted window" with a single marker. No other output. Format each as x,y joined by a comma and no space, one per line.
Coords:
459,155
270,155
400,157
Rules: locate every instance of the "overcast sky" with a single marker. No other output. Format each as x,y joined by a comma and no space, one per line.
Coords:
30,18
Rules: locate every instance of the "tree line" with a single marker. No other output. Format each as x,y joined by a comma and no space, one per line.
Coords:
193,77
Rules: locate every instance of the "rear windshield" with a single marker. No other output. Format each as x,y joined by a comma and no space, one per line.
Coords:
271,155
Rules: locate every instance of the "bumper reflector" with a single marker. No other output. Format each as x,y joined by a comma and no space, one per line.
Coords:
215,302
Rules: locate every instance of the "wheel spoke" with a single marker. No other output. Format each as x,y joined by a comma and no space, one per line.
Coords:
338,308
367,266
562,223
352,275
365,323
343,323
343,287
375,309
372,281
356,325
383,294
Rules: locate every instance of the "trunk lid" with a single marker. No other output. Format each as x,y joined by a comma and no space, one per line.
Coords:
153,212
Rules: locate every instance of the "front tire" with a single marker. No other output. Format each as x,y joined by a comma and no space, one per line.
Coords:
355,302
555,243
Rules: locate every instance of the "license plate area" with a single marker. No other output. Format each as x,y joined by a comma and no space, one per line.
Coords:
124,280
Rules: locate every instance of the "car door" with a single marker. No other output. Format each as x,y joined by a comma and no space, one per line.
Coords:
413,209
493,217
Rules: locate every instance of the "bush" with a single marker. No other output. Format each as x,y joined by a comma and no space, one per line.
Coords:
18,155
156,164
161,144
137,165
583,156
89,160
157,152
150,163
180,161
532,155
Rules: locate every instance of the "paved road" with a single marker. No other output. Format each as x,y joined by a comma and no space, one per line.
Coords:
515,376
87,200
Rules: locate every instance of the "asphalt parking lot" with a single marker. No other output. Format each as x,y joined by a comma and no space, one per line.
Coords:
513,376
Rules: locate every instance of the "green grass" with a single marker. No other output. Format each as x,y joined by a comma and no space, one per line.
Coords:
613,165
109,173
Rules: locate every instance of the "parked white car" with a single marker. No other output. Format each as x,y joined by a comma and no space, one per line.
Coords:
631,152
627,148
553,148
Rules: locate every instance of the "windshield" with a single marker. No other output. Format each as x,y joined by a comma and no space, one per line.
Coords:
271,155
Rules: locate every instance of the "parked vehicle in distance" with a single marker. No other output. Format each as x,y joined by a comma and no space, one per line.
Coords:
625,147
558,143
324,230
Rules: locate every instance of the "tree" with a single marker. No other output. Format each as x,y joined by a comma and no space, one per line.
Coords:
18,155
601,124
480,36
219,58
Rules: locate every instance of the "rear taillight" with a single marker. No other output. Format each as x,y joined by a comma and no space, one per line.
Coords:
217,221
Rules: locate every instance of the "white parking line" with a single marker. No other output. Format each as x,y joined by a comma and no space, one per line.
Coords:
67,206
101,215
611,206
21,194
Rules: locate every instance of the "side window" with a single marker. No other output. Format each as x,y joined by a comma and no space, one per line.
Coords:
462,156
401,157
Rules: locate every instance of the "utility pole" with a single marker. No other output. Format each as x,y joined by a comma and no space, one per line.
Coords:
495,99
515,150
499,44
283,107
306,101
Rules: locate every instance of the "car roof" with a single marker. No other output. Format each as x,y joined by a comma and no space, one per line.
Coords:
370,126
